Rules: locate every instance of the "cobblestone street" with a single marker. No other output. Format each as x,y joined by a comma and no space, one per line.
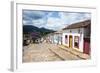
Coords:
46,52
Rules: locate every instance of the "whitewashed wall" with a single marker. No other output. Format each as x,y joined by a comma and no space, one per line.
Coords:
57,38
74,33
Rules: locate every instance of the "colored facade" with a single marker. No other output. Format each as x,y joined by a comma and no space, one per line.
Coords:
56,37
77,36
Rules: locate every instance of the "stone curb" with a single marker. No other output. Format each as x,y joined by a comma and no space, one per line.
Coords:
77,53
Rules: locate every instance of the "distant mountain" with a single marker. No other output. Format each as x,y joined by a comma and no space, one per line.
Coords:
31,28
45,30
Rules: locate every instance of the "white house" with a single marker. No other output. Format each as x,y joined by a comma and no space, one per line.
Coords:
56,37
77,36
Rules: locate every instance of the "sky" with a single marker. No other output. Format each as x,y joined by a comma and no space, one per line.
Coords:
54,20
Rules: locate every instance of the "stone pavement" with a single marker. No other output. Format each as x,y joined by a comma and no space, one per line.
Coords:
39,53
75,52
46,52
64,54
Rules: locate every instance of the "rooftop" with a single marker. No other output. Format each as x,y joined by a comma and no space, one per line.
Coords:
81,24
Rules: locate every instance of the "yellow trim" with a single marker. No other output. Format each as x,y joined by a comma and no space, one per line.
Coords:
70,41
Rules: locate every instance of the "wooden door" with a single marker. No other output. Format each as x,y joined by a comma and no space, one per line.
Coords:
86,46
70,41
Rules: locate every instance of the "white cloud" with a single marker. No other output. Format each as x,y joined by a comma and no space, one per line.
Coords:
70,18
53,20
65,19
39,23
54,23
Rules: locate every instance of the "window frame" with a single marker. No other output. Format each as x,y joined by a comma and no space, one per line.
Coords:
78,41
66,39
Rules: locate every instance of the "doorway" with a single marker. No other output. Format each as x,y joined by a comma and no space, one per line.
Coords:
70,41
86,46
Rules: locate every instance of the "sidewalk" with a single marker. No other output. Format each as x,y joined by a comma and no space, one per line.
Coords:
63,54
75,52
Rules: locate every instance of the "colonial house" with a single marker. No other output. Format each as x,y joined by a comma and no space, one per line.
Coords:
56,37
77,36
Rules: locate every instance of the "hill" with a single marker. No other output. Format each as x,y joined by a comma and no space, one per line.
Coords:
33,29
